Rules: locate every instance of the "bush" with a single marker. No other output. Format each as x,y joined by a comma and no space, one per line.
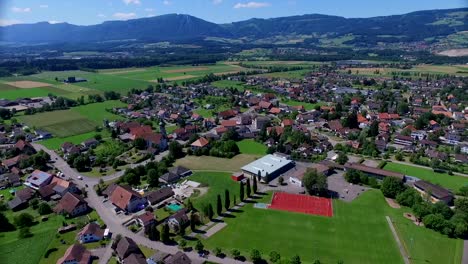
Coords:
391,187
49,251
382,164
24,220
44,208
24,233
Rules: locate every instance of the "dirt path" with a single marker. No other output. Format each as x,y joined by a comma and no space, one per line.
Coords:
392,203
397,239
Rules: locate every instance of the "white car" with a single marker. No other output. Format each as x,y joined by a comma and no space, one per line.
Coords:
80,178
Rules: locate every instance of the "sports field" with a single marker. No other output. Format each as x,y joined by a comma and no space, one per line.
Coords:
301,203
357,233
208,163
452,182
74,121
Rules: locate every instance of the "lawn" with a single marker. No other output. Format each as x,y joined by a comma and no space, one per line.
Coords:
217,183
74,121
24,93
452,182
250,146
299,74
55,143
208,163
63,123
307,106
357,233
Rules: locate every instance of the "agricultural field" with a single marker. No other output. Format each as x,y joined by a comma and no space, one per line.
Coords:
460,70
208,163
299,74
250,146
452,182
56,142
350,235
172,73
74,121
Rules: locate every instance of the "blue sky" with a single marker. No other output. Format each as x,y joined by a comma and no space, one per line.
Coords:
87,12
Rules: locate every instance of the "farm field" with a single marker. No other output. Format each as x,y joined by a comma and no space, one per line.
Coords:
332,239
460,70
452,182
287,74
172,73
56,142
250,146
74,121
208,163
217,183
23,93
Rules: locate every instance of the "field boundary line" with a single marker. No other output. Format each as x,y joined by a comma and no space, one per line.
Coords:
401,247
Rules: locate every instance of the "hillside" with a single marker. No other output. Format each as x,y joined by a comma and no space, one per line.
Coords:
429,26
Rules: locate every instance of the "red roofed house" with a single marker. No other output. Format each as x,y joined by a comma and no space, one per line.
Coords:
384,127
126,199
287,123
71,204
76,254
90,233
146,220
200,143
275,111
265,105
152,138
227,114
25,147
229,123
278,129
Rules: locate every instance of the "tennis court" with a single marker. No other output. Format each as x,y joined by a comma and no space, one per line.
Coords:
302,204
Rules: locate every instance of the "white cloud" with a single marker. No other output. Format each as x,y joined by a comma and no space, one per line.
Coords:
54,22
21,10
7,22
252,5
101,15
167,2
135,2
217,2
44,6
124,16
149,9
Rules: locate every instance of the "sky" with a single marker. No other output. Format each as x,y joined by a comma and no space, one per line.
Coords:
89,12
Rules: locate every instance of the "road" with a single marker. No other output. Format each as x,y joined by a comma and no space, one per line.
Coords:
108,217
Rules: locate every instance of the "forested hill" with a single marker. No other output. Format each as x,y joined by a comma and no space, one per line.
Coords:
416,26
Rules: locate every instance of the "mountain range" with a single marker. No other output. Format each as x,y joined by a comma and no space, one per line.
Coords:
415,26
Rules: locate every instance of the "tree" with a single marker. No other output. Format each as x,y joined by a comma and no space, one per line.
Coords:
241,192
280,180
24,220
193,222
34,203
254,186
140,143
409,197
182,244
219,206
199,246
210,212
153,233
24,232
5,224
442,209
153,178
165,234
44,208
392,186
175,150
227,200
182,230
315,183
342,158
235,253
374,129
189,205
295,260
217,252
274,256
255,256
247,186
399,156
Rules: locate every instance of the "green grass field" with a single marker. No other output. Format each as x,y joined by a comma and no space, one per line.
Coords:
452,182
56,142
357,233
24,93
73,121
250,146
460,70
307,106
208,163
287,75
217,183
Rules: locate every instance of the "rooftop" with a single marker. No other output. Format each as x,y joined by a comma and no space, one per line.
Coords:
268,164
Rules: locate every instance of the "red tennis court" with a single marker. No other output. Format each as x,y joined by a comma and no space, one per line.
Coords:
302,204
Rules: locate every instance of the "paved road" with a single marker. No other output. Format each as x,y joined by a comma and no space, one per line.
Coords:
465,253
109,218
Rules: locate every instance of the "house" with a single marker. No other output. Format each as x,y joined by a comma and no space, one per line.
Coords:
146,220
90,143
135,259
76,254
10,179
419,135
178,219
21,199
461,158
181,171
200,143
238,176
287,123
71,204
260,122
165,258
437,193
403,140
227,114
126,199
58,186
15,161
160,195
126,247
38,179
90,233
25,147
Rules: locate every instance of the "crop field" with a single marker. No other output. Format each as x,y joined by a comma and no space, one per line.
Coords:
357,233
288,74
460,70
452,182
23,93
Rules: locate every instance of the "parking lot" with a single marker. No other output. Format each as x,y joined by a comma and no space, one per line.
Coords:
342,189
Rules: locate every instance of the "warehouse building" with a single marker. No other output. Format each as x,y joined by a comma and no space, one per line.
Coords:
269,167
